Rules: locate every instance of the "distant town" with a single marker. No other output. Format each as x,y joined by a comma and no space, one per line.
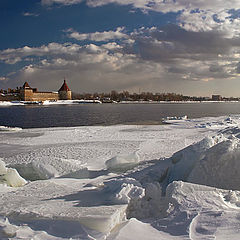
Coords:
26,93
147,96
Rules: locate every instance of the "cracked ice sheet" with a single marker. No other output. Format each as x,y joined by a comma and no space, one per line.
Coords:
62,208
69,149
197,212
56,202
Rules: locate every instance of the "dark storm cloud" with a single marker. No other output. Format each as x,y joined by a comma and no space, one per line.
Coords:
173,42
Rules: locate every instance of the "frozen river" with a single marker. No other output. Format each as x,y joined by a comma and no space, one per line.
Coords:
108,114
176,181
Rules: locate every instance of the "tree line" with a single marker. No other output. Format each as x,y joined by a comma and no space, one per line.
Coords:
144,96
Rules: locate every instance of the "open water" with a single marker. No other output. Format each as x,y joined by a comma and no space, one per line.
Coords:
108,114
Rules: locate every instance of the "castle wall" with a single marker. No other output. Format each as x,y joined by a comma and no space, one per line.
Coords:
42,96
31,94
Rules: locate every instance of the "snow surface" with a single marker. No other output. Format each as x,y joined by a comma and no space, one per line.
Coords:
174,181
7,129
47,102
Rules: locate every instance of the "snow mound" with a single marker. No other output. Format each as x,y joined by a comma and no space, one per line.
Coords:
220,166
36,171
6,229
7,129
177,118
13,179
123,190
10,176
200,212
185,160
214,161
122,162
174,119
227,122
152,204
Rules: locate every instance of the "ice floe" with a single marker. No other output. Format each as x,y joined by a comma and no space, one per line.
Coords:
174,181
10,176
123,162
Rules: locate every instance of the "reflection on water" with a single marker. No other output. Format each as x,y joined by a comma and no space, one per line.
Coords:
108,114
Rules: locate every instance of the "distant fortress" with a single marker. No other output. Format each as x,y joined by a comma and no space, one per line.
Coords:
26,93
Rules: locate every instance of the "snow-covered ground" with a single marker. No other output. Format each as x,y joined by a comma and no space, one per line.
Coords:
46,102
174,181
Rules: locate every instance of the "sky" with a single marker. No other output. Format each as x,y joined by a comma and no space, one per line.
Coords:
191,47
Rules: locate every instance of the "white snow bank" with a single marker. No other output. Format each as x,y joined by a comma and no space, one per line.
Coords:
214,161
10,176
7,104
122,162
6,129
220,166
66,102
185,160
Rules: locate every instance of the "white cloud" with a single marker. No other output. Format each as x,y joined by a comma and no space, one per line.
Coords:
158,5
210,21
97,67
29,14
64,2
150,58
172,5
98,36
11,56
112,46
29,69
194,15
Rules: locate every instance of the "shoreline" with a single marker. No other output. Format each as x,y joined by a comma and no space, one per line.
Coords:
76,102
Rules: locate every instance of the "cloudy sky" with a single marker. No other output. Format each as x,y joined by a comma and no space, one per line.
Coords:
190,47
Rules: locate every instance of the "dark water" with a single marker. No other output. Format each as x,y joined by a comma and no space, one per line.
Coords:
107,114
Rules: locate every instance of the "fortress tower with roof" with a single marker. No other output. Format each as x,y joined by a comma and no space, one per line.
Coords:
64,92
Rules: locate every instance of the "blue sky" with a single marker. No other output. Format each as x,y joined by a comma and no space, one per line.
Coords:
185,46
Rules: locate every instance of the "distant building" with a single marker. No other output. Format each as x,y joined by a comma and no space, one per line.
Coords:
216,97
26,93
64,93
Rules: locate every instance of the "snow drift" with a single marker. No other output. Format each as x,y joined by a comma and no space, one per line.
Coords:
214,161
10,176
36,171
122,162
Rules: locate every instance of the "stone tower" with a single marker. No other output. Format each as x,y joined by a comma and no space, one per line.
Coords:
64,92
26,92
